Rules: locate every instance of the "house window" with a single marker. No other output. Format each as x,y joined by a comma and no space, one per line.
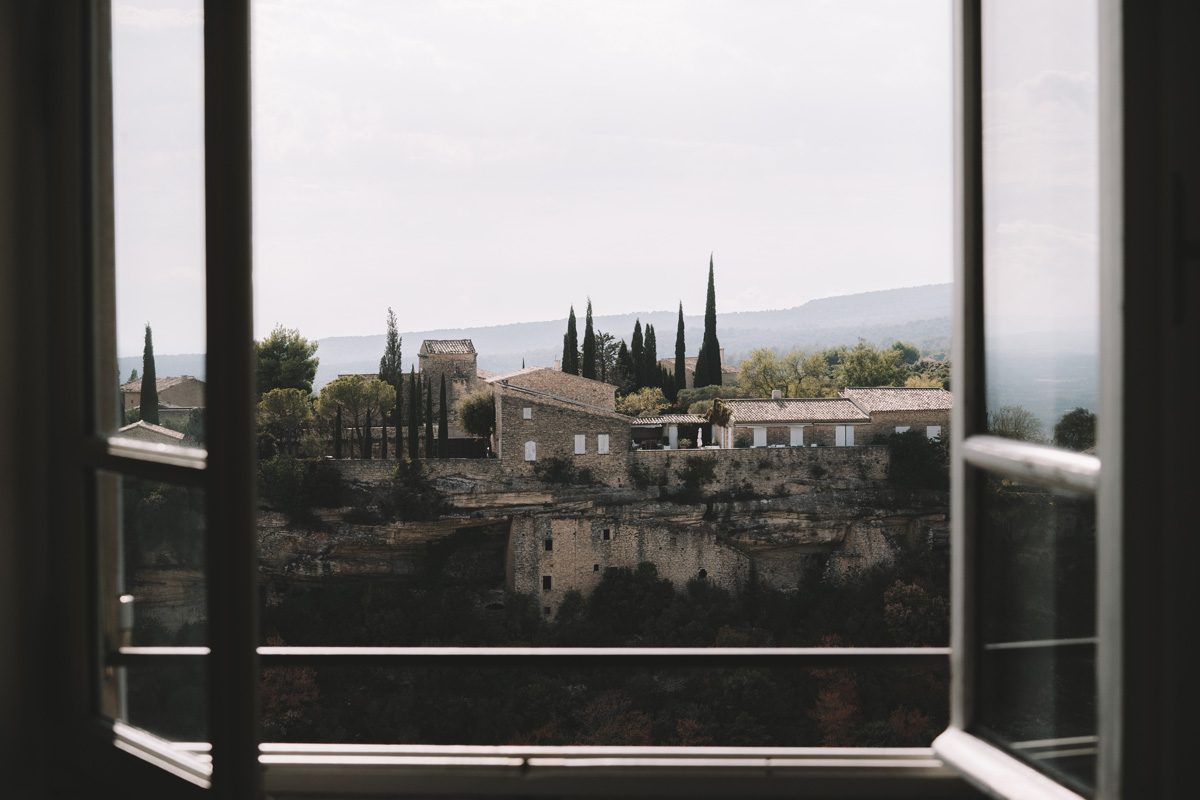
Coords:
549,544
760,437
546,610
526,413
547,582
932,431
580,443
844,436
602,443
595,567
531,451
605,535
903,428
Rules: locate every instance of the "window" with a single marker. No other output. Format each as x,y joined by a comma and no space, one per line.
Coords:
602,443
526,413
760,437
844,436
547,581
549,545
904,429
595,567
931,431
580,444
531,451
606,534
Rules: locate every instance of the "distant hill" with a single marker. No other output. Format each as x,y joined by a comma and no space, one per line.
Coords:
920,314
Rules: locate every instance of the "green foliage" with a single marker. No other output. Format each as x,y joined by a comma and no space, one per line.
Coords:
624,375
866,365
286,414
588,367
477,411
608,349
281,483
148,402
133,375
910,354
708,365
646,402
430,446
743,438
414,415
637,346
917,462
285,360
411,496
680,372
688,398
443,421
1015,422
795,373
1076,430
561,471
359,399
696,473
570,355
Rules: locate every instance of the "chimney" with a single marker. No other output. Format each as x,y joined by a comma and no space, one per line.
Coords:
777,394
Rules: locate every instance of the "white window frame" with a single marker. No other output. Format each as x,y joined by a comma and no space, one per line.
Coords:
602,443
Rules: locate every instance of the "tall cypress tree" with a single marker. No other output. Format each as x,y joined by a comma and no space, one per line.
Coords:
650,358
429,444
680,355
588,367
414,416
570,356
636,344
443,423
625,369
337,433
366,437
391,372
149,396
709,362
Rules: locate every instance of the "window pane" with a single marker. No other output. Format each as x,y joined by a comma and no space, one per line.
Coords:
156,533
1037,605
158,172
1041,268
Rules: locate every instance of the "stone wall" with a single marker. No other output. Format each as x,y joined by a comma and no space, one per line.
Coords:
562,384
884,423
552,428
378,471
767,470
461,379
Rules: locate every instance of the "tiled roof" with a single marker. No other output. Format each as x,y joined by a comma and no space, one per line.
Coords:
898,398
447,346
135,385
503,376
669,419
749,412
153,428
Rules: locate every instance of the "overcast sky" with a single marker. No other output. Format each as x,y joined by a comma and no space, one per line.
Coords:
474,163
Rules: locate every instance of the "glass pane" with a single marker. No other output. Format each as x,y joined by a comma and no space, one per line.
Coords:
1041,267
158,185
1037,608
154,595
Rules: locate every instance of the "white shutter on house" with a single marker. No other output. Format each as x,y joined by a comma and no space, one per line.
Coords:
602,443
580,443
526,413
760,437
531,451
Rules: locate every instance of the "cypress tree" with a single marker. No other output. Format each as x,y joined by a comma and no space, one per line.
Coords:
391,372
650,358
680,355
667,382
337,433
429,445
570,356
443,423
625,369
414,416
149,396
636,345
383,426
710,349
366,437
588,368
133,376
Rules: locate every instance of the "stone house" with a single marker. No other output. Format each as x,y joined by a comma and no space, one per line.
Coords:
729,373
562,384
146,432
895,409
533,426
671,427
792,422
457,360
180,392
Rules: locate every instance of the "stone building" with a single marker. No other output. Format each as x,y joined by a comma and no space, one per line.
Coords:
144,431
180,392
533,426
667,430
562,384
895,409
729,374
456,359
794,422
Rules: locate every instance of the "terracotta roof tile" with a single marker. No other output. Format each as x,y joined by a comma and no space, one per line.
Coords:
153,428
159,383
669,419
447,346
898,398
757,412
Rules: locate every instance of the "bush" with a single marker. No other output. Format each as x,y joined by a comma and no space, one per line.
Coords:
561,470
695,474
411,497
918,462
281,483
646,402
743,439
641,476
324,486
477,411
686,444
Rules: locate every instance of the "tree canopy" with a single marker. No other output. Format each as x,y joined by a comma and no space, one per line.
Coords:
286,360
1076,430
588,368
570,355
359,399
148,402
1015,422
708,365
477,411
285,414
646,402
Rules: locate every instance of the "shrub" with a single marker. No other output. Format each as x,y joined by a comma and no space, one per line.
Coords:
646,402
642,477
477,411
561,470
281,483
696,472
411,496
686,444
743,439
918,462
324,486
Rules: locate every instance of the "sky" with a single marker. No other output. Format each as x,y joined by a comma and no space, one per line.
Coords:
476,163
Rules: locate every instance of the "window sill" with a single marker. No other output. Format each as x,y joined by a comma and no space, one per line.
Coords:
995,771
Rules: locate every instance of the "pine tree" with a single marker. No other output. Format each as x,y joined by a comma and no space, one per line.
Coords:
149,397
650,359
636,345
708,365
570,356
429,444
133,376
414,416
443,423
588,368
337,433
680,379
391,372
